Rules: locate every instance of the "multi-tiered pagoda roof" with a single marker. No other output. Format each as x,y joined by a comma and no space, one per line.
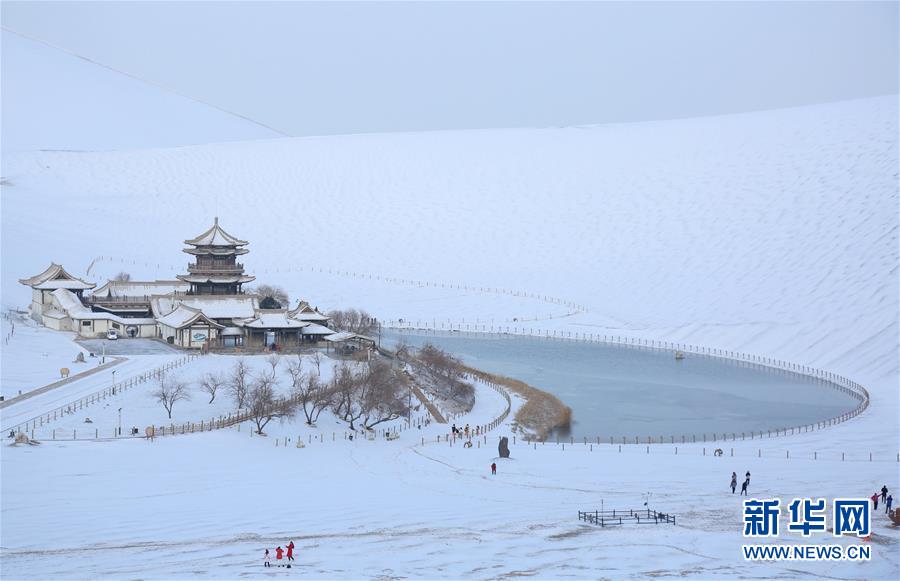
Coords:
216,270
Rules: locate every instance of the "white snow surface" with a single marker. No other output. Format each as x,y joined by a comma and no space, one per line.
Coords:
770,232
53,99
773,233
205,506
31,356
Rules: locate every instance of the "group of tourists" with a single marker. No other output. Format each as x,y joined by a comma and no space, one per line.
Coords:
886,499
465,432
744,486
280,554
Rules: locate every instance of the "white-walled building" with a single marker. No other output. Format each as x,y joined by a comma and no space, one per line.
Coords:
205,308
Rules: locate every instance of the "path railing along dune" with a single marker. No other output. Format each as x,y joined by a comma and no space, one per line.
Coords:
827,378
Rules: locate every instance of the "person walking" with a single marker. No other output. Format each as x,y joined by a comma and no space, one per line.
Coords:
875,501
884,491
279,553
744,487
290,551
747,477
266,562
887,504
733,481
493,468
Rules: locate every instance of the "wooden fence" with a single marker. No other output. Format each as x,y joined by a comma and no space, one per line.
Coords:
605,518
97,397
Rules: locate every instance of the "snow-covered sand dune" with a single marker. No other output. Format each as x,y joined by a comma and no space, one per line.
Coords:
54,99
771,232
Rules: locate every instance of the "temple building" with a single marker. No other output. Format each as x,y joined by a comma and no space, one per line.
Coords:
43,284
206,308
216,270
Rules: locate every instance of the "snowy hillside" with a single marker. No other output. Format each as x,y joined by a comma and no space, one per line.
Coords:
53,99
771,232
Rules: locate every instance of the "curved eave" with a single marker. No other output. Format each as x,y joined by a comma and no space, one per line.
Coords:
55,272
258,325
68,284
216,250
199,278
216,233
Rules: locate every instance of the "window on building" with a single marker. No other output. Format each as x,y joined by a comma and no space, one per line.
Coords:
85,323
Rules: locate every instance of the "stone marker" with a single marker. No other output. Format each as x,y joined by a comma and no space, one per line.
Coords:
503,448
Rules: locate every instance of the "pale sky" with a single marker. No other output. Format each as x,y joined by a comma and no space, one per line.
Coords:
311,69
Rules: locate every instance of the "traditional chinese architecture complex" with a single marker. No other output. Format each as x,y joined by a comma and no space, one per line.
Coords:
205,308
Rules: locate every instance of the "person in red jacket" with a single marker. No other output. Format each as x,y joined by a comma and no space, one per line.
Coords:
290,551
875,501
278,554
493,468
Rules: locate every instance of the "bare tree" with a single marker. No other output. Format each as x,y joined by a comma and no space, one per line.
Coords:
239,383
317,359
264,405
313,396
210,384
403,351
274,360
347,402
382,394
278,297
354,321
122,277
295,370
169,391
445,371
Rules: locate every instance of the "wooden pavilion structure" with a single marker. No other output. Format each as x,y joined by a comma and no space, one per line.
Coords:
216,269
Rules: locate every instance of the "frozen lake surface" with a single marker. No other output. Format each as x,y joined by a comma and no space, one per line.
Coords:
622,391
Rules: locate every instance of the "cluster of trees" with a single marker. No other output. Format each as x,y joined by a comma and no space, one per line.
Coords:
374,394
354,321
444,371
272,297
360,395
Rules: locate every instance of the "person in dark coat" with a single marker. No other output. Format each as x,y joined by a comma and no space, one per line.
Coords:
733,481
887,504
747,477
493,468
744,487
290,551
884,491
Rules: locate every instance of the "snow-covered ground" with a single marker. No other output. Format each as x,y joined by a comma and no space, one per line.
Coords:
773,233
53,99
141,409
32,356
207,505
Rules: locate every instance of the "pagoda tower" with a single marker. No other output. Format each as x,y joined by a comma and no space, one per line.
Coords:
216,270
